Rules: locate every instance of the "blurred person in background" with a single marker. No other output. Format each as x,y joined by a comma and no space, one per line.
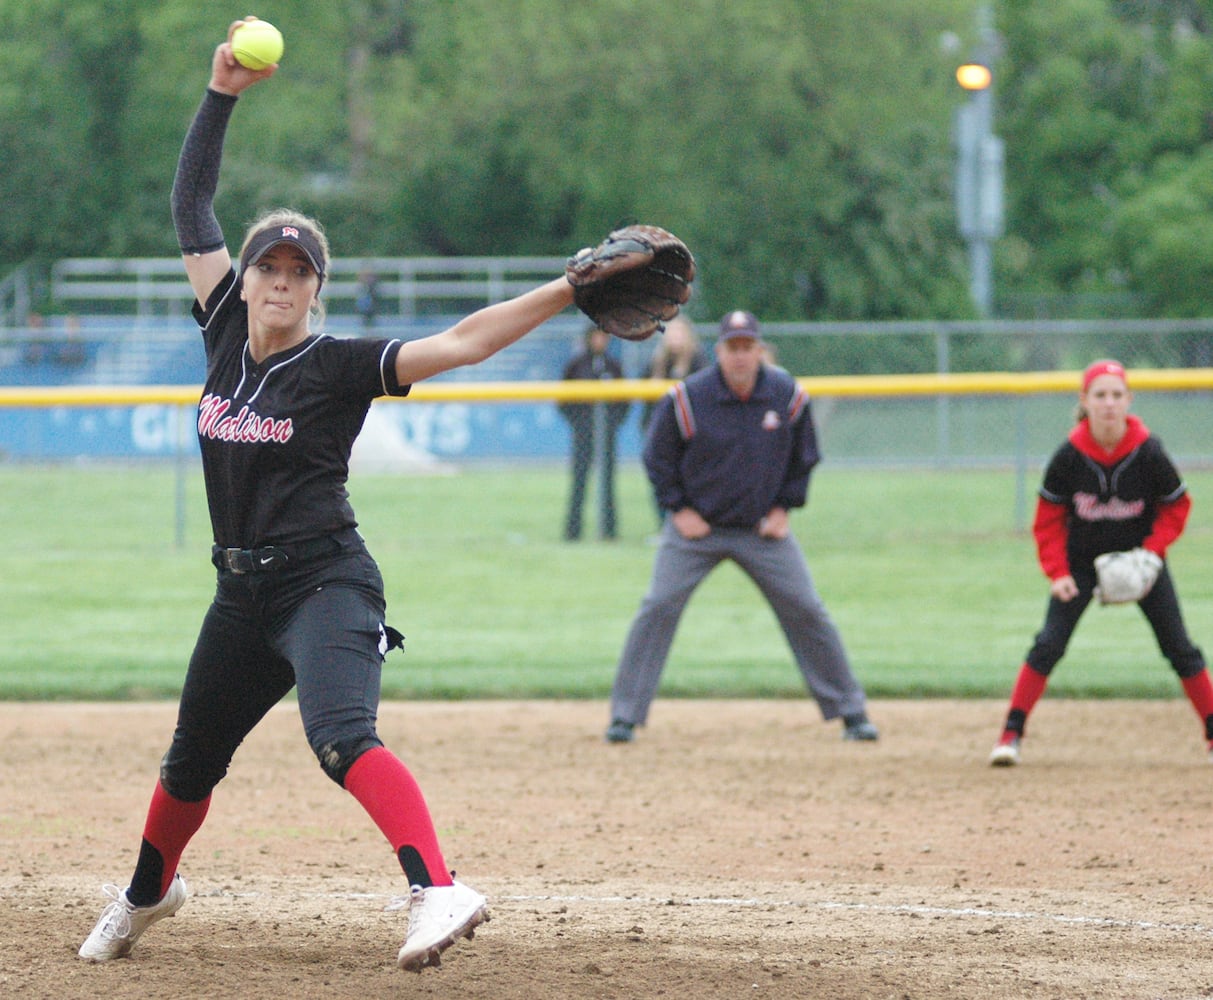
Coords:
595,431
366,303
678,355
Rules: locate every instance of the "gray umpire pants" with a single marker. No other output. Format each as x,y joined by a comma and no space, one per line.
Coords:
779,569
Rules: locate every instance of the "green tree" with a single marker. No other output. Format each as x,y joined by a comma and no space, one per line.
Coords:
1165,235
802,150
58,100
1103,109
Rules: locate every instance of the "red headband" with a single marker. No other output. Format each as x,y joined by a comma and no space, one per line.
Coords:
1103,368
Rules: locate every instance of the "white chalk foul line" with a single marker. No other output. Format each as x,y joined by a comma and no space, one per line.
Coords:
915,909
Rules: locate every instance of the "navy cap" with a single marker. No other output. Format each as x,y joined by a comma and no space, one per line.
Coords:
299,236
739,323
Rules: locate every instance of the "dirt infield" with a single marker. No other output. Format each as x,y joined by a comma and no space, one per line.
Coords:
736,849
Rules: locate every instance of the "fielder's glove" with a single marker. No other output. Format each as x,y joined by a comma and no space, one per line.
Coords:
633,282
1125,577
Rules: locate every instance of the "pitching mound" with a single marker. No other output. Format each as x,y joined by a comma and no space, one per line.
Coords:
736,849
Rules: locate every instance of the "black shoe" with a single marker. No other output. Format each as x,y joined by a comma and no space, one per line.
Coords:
619,731
858,727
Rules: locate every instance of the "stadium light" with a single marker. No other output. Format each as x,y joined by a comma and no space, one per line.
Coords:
980,159
974,76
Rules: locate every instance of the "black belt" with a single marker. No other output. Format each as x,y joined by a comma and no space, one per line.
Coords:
270,558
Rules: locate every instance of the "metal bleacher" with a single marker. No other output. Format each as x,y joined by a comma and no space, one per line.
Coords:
127,320
405,286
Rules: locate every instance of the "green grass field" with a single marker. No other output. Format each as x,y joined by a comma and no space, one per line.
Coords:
934,591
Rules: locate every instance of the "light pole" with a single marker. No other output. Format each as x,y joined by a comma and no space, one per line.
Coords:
979,168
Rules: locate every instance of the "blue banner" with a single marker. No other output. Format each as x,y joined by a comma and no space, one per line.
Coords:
394,433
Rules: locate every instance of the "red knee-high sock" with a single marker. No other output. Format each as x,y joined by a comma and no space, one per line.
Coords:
170,825
392,798
1029,686
1199,690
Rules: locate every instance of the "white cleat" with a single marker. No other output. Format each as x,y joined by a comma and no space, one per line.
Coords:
1005,754
121,924
438,917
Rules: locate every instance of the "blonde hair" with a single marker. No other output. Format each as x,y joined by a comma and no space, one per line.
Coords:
277,217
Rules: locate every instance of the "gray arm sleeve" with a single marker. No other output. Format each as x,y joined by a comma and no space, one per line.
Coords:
197,176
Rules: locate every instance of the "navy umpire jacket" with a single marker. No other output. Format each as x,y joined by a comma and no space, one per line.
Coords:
732,460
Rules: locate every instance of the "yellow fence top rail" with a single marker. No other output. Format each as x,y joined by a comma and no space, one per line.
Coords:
951,384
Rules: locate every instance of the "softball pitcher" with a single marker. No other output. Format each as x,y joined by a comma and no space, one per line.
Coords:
299,602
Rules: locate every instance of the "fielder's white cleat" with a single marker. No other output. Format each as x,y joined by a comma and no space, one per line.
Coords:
438,917
121,924
1006,754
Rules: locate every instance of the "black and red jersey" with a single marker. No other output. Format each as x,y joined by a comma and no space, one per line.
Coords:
276,437
1093,501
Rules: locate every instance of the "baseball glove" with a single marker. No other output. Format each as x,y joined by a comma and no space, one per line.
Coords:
1125,577
633,282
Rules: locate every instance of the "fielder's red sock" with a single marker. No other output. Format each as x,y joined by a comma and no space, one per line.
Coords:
1199,690
1029,686
170,825
390,795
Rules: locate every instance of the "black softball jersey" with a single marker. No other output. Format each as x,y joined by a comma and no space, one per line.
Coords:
1111,502
276,437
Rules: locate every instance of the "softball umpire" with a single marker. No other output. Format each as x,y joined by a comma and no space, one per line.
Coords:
299,602
1110,487
729,452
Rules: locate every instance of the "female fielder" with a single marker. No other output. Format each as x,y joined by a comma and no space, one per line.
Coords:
1109,488
299,602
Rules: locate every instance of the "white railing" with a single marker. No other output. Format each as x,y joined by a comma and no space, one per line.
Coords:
404,286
